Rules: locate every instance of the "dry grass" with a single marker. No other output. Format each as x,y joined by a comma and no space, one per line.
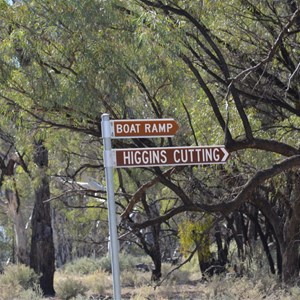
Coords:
182,284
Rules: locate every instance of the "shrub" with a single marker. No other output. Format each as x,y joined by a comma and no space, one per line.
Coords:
179,277
135,278
19,275
31,294
104,263
9,291
70,288
82,266
127,262
98,282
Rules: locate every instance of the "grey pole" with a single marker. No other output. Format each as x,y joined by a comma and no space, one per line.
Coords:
114,244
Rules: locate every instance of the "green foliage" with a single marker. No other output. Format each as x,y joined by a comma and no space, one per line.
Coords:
126,261
133,278
195,233
105,263
95,285
69,288
82,266
32,294
88,266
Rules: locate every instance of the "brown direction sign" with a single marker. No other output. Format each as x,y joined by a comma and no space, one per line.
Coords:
143,128
169,156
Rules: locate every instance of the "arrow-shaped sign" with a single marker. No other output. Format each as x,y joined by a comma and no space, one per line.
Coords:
143,128
169,156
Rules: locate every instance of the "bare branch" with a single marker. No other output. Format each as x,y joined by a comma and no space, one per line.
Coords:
138,194
292,76
227,207
272,51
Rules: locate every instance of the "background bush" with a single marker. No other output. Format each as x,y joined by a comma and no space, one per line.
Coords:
70,288
19,275
19,282
127,262
82,266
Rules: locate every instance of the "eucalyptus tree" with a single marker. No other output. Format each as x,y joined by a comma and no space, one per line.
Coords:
242,57
56,73
14,176
62,65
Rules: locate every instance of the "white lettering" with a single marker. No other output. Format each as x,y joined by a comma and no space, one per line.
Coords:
127,128
186,155
208,154
211,155
155,157
154,128
137,157
158,128
169,127
216,154
119,128
147,127
163,159
162,127
127,158
191,158
183,155
176,156
198,152
145,157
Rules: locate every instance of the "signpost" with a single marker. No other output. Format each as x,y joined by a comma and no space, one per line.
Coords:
145,157
112,222
143,128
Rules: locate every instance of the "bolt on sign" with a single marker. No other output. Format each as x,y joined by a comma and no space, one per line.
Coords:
169,156
143,128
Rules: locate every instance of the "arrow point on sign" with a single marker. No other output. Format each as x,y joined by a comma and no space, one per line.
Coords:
176,127
226,154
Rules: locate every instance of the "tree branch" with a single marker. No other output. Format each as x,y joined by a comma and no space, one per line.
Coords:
228,207
272,51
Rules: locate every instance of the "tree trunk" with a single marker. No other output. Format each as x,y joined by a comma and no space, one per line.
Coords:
290,264
61,239
290,248
22,255
155,254
151,239
13,210
42,257
237,230
222,251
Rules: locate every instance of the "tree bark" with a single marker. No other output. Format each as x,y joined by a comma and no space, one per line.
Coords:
290,248
22,254
42,255
61,239
14,211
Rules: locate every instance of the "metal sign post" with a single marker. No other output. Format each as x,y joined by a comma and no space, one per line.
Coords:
114,244
145,157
